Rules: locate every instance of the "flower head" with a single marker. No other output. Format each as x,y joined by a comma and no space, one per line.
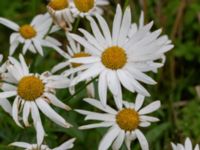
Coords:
65,146
87,7
61,14
33,92
125,123
71,70
186,146
33,36
120,58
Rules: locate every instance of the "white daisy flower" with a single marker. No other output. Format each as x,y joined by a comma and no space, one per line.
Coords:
4,103
187,146
124,123
65,146
61,14
116,58
87,7
33,36
74,69
33,92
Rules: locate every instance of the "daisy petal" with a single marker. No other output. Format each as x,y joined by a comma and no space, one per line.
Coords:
85,60
139,102
20,144
102,88
98,105
196,147
105,29
55,101
15,112
91,72
116,25
13,47
5,104
26,112
51,114
150,108
109,138
148,118
115,87
125,26
143,141
37,123
7,94
38,47
119,141
96,125
97,33
188,144
9,24
67,145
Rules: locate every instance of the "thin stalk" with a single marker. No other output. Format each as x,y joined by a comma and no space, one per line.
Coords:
82,88
76,24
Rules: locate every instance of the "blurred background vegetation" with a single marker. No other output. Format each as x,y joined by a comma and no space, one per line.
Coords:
178,85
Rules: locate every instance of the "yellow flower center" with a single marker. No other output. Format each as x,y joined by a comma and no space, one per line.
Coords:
114,58
128,119
84,5
30,88
58,4
78,55
27,31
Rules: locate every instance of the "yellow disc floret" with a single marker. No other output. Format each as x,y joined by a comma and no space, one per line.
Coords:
114,58
84,5
78,55
30,88
27,31
128,119
58,4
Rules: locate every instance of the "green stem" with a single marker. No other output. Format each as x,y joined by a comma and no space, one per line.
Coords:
49,30
76,24
81,89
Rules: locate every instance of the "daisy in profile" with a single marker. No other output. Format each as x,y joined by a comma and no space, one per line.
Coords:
4,103
33,36
61,14
125,124
74,69
34,92
116,57
186,146
87,7
65,146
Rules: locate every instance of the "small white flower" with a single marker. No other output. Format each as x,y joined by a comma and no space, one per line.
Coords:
74,69
65,146
4,103
33,92
124,123
87,7
119,59
61,14
187,146
32,36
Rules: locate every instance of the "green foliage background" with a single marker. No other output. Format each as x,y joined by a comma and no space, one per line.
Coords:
177,81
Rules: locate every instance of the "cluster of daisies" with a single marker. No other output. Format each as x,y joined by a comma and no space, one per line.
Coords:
117,59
